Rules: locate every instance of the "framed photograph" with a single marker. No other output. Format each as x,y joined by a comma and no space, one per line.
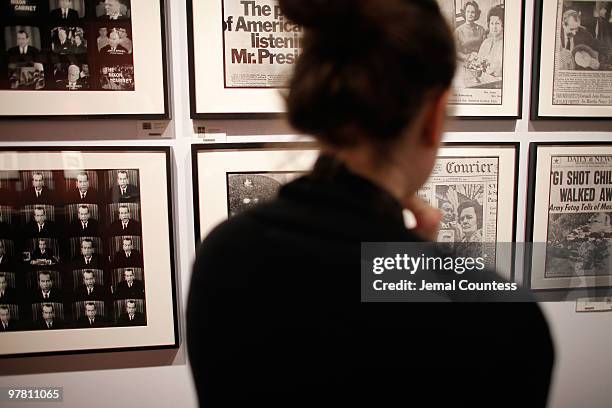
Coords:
572,60
230,178
474,185
238,65
86,250
569,217
97,58
488,35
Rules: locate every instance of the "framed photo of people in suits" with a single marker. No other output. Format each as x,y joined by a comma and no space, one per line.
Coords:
572,60
569,221
100,58
86,250
473,185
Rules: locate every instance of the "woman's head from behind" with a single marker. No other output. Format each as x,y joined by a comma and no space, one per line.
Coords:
373,74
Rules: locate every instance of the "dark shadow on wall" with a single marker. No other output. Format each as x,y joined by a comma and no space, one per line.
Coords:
89,362
578,125
76,130
480,125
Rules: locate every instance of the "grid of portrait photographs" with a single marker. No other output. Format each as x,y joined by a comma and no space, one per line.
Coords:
71,250
67,45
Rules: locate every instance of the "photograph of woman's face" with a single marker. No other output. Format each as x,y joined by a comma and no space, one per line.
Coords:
496,27
470,14
468,221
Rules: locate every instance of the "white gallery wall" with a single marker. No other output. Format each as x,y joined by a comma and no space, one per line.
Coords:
583,370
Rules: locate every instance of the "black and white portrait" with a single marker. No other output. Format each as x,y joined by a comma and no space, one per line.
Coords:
117,44
42,252
46,285
87,253
130,312
462,212
585,40
128,283
68,40
66,10
48,316
89,314
123,186
113,10
22,43
124,219
82,220
479,34
126,251
37,187
9,317
39,221
81,186
71,76
89,284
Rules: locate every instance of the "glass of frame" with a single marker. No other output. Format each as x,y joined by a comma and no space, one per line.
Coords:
572,60
477,178
570,208
234,73
98,58
86,250
489,75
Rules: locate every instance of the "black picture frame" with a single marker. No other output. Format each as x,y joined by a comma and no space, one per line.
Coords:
165,115
531,246
195,114
536,75
171,330
196,148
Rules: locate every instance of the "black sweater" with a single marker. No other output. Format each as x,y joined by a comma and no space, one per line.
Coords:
274,315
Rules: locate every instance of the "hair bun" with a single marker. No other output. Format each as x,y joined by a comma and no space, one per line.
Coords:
317,13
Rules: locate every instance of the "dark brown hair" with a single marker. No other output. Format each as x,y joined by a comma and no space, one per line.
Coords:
367,66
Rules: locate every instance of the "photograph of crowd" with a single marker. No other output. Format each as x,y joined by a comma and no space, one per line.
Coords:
246,190
71,249
66,45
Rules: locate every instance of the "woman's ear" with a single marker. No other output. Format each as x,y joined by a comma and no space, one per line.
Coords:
434,118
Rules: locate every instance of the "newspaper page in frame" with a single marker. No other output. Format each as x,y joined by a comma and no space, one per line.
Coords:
583,53
260,44
465,191
478,27
579,234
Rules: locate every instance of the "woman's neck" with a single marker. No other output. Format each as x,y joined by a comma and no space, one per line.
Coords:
392,174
